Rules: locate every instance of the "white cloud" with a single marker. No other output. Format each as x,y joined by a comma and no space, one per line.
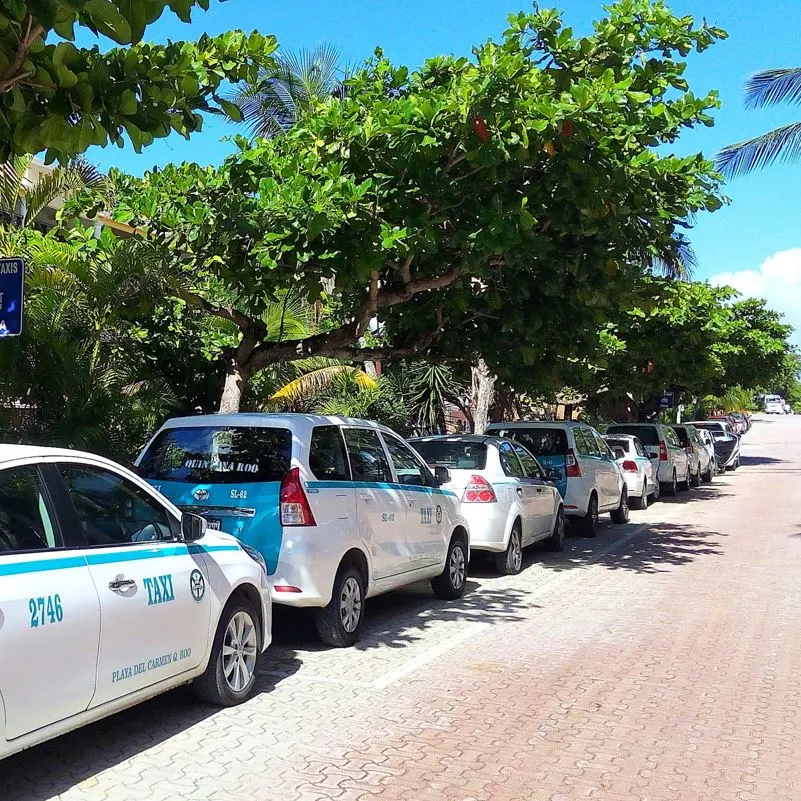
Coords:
778,281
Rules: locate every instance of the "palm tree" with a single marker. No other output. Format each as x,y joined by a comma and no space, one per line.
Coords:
766,89
281,93
316,377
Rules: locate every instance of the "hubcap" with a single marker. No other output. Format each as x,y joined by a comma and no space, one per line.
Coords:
456,567
240,648
645,496
560,527
517,550
350,604
594,512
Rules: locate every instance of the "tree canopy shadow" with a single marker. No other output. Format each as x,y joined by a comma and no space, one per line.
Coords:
48,770
756,461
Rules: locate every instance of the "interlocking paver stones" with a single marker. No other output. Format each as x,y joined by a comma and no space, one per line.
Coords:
660,664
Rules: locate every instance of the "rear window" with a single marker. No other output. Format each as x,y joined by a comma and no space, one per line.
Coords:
539,441
454,455
648,435
618,443
218,455
681,433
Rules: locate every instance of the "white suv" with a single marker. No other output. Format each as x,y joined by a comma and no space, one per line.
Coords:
340,509
671,462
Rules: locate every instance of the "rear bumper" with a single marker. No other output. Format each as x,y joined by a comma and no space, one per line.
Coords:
306,569
576,501
634,482
489,530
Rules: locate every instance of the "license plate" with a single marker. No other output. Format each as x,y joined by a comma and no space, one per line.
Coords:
213,523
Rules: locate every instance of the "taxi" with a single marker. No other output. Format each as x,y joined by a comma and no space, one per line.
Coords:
341,509
102,576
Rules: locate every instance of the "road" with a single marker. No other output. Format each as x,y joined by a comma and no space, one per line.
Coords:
661,661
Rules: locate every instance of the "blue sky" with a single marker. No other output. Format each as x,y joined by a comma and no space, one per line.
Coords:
755,243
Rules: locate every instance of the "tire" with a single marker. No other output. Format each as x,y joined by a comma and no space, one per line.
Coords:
339,623
707,477
588,525
449,585
620,516
510,561
656,491
556,542
671,489
230,679
736,464
695,481
641,502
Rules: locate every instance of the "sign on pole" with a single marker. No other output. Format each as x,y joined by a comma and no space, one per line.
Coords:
667,401
12,279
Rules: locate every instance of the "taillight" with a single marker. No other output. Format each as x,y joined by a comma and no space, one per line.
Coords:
629,466
479,490
662,451
572,469
295,509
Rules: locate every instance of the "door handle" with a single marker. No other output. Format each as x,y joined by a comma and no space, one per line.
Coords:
367,498
539,489
121,584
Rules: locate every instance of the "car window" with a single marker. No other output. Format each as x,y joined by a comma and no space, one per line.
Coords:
592,445
638,446
27,521
328,459
218,455
538,441
509,462
603,448
648,435
681,435
531,467
582,443
408,468
672,439
625,444
112,510
453,454
368,461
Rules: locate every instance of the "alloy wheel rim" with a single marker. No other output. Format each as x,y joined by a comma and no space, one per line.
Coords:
517,551
350,604
456,567
645,496
560,528
239,652
595,516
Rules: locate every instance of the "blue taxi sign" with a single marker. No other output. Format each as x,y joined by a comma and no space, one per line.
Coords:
12,277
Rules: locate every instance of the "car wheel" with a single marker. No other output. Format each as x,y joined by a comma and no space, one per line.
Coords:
656,491
556,542
230,677
339,622
510,562
707,477
449,584
588,525
672,488
695,481
621,514
642,501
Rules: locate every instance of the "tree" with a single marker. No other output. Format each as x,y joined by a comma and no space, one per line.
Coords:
479,206
766,88
62,98
297,82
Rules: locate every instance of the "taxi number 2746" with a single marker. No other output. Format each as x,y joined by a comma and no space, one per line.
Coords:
45,610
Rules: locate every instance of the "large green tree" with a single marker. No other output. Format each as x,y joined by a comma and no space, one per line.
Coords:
61,98
499,206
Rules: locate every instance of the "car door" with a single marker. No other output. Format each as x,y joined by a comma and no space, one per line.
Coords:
49,610
519,490
381,506
609,472
644,461
677,454
424,539
154,606
544,500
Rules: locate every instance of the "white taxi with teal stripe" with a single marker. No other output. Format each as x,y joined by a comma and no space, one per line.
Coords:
101,575
341,509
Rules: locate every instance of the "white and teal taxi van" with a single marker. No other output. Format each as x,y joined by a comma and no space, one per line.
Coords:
102,575
340,509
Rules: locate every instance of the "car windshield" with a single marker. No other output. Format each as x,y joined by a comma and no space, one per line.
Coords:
455,454
539,441
618,443
648,435
218,455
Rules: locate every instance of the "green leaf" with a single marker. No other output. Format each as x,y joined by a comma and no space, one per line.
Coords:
107,19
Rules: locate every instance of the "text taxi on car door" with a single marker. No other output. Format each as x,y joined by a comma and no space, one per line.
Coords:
102,575
340,509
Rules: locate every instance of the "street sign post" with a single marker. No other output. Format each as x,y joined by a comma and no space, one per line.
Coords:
12,280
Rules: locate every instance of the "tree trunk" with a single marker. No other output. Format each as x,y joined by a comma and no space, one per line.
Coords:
484,383
236,378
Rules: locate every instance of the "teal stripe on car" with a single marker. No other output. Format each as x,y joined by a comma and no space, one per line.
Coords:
378,485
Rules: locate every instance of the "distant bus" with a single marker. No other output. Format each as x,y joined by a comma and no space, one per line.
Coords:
774,404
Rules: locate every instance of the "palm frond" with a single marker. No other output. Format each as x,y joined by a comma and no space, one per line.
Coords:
680,262
782,144
314,382
770,87
12,181
61,182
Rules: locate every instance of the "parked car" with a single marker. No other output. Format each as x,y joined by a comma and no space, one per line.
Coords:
110,595
735,425
591,481
701,463
709,446
507,499
638,472
727,443
663,446
743,420
340,509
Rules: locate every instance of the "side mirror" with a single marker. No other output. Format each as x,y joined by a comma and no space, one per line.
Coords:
552,474
619,453
193,527
442,474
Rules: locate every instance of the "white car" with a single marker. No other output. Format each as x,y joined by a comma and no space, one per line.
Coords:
635,464
774,404
109,596
672,464
340,509
506,496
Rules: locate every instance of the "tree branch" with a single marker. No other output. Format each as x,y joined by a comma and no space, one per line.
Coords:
241,321
411,288
11,76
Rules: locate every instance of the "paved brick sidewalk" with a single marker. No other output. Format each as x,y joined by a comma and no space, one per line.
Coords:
654,664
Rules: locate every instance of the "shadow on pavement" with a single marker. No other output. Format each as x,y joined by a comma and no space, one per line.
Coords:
755,461
46,771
